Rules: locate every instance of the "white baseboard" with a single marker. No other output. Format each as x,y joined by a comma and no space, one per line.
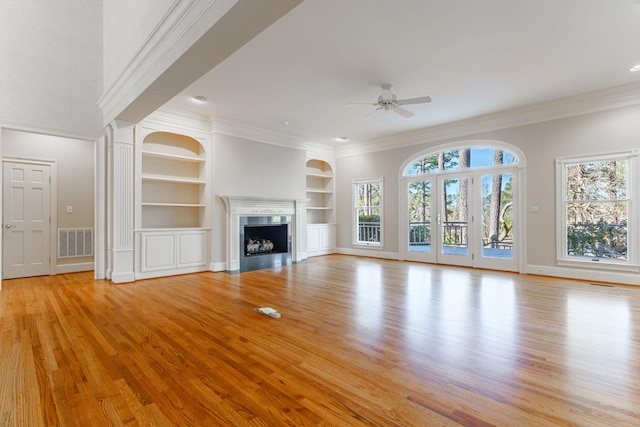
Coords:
74,268
218,266
585,274
368,253
320,252
123,277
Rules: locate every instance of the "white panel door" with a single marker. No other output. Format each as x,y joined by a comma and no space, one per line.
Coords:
26,216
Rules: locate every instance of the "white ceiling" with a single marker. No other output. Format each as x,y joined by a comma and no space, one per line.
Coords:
473,57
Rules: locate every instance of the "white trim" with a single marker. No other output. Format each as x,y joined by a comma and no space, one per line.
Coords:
584,274
354,216
239,206
516,169
483,143
100,208
246,131
369,253
74,268
633,248
123,277
597,264
218,266
180,120
48,130
176,28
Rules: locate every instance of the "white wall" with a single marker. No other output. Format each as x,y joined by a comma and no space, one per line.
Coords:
242,167
51,73
608,131
75,174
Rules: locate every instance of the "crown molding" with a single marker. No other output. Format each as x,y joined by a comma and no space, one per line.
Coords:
316,150
601,100
179,119
176,31
241,130
48,130
188,121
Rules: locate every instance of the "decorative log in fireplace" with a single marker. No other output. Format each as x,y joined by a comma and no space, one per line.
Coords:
258,246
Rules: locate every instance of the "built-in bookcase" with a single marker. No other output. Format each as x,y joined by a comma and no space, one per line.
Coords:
172,181
172,224
321,228
320,186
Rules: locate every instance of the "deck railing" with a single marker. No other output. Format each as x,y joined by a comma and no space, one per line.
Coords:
369,231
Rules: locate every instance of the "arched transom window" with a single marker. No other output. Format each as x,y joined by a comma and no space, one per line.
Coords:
461,158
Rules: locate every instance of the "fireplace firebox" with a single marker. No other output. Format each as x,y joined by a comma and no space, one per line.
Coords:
265,242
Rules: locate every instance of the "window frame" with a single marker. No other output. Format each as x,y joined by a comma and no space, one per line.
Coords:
562,202
354,188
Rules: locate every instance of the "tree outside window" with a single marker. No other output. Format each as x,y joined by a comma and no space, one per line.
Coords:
368,212
596,209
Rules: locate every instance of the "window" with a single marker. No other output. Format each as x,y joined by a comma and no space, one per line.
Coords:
367,195
596,214
461,158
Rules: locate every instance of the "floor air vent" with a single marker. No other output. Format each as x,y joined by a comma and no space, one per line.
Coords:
75,242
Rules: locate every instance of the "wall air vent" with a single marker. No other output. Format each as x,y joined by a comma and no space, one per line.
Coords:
75,242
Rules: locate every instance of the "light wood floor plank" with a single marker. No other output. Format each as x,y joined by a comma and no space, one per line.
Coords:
361,342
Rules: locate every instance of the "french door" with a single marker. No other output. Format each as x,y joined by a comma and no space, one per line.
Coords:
462,218
455,244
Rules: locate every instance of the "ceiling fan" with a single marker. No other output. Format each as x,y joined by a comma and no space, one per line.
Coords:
388,101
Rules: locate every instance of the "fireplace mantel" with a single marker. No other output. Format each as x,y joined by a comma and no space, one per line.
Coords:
240,206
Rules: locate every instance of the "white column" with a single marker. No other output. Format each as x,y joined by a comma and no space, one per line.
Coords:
120,209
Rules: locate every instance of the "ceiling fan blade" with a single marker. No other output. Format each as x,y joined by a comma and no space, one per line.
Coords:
421,100
403,112
371,113
359,104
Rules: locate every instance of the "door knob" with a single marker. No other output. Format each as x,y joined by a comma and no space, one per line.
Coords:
8,226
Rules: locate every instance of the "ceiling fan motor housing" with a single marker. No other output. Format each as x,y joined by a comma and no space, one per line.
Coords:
388,101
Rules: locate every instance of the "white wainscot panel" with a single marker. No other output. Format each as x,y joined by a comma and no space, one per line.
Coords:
158,252
321,239
314,237
192,249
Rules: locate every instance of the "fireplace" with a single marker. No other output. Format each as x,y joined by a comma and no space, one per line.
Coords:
262,233
264,242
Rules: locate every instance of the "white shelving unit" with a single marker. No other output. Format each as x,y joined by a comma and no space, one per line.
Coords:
321,228
172,226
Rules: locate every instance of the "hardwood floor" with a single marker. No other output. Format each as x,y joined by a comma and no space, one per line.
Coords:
360,342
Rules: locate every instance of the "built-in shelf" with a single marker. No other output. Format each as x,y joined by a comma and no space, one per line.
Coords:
164,178
172,225
310,172
320,189
321,229
190,205
169,156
